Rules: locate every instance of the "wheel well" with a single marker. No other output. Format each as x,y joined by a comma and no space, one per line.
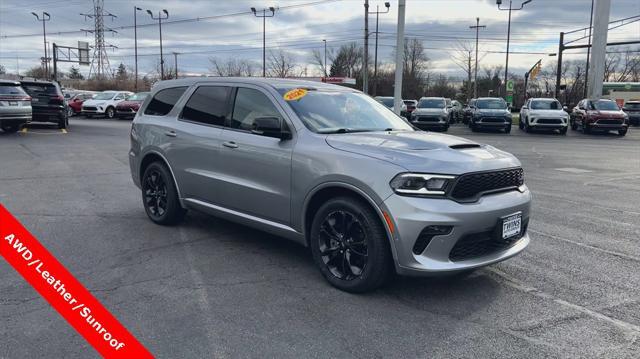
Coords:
323,195
149,159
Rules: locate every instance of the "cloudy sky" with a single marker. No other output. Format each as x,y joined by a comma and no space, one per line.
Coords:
201,29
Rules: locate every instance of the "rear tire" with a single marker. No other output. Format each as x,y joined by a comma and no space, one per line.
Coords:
63,123
563,131
586,129
350,245
70,112
10,128
110,113
507,129
160,196
622,132
574,125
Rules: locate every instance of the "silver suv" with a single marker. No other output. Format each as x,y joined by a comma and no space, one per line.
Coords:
330,168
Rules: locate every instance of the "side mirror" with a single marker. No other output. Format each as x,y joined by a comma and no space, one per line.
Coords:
270,127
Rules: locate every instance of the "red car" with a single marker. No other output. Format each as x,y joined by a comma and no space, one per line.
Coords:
127,109
599,115
75,103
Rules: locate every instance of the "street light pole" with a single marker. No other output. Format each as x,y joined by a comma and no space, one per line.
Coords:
325,57
175,62
375,56
160,18
264,17
586,71
45,17
365,60
135,41
475,76
506,67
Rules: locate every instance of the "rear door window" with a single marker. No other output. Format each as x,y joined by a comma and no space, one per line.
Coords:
164,100
249,105
208,105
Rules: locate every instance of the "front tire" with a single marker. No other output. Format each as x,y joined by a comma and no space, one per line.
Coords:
350,246
160,196
585,128
70,112
574,125
110,113
563,131
10,128
622,132
507,129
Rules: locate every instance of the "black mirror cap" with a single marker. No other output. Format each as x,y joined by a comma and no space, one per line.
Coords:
270,127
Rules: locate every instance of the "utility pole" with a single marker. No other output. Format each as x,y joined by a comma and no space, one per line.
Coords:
175,62
45,17
375,56
475,76
135,41
586,74
600,30
365,60
264,17
397,91
325,57
160,18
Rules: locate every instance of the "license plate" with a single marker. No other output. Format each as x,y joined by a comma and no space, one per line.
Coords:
13,103
511,226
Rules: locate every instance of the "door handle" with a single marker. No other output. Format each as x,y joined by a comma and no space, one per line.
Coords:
171,133
230,144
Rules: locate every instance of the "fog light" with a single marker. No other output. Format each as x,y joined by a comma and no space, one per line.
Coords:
427,234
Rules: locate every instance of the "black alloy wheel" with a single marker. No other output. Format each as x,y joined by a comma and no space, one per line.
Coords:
343,245
155,193
159,195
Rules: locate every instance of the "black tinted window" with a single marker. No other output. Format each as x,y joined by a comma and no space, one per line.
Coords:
208,104
163,101
251,104
9,89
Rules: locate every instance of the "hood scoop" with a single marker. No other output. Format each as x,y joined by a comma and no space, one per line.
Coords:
464,146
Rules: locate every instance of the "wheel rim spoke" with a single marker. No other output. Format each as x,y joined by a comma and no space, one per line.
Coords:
155,194
343,245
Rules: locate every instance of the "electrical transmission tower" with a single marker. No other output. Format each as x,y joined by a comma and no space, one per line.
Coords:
100,67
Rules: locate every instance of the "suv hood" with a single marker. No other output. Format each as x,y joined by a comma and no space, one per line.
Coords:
608,114
548,113
492,112
429,111
94,102
420,151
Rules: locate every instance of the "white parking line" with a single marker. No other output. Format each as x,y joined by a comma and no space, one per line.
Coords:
584,245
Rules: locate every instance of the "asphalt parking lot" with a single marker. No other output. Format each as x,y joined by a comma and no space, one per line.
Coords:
211,288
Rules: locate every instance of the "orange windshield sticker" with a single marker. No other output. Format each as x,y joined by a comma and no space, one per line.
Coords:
295,94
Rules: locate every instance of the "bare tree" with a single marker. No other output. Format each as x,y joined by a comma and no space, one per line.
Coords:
464,57
231,67
347,61
318,60
280,64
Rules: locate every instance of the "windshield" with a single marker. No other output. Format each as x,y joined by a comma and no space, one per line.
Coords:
387,101
431,103
545,105
140,96
104,96
11,90
635,105
491,104
340,112
604,105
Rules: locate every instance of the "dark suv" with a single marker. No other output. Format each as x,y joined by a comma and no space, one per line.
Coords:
47,102
632,109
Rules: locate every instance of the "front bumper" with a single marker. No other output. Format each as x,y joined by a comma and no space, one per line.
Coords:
609,125
125,113
411,215
17,118
491,122
429,122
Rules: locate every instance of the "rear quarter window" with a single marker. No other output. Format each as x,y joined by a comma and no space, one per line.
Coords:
164,100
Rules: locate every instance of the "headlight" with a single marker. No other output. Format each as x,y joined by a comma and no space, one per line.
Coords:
421,184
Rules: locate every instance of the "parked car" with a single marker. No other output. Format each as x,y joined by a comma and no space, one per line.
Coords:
127,109
47,102
15,106
431,113
599,115
491,113
632,109
543,114
388,102
411,106
336,171
75,102
104,103
467,112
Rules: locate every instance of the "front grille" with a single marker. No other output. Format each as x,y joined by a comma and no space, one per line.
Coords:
89,108
483,244
427,119
492,119
549,121
469,186
609,122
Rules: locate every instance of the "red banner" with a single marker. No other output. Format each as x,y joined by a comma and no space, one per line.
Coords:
65,294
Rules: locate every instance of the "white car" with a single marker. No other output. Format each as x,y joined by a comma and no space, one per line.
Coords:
388,102
543,113
104,103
